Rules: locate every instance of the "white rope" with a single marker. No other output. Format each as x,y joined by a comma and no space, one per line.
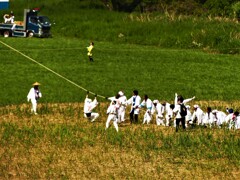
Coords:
59,75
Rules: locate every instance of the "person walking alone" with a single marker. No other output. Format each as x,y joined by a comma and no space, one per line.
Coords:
33,96
90,48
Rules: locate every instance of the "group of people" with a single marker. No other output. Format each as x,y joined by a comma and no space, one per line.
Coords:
165,114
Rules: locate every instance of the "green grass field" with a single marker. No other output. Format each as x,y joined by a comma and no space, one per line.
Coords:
152,70
60,144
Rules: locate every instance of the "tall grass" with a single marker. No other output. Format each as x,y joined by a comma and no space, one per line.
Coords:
90,20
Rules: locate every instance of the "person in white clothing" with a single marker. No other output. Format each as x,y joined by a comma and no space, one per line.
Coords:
230,118
188,116
115,98
178,111
168,108
112,114
208,118
9,18
185,101
229,115
121,101
148,104
159,109
134,101
89,105
236,119
219,117
33,96
198,115
122,108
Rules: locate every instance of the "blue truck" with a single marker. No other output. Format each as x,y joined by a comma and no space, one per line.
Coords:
31,26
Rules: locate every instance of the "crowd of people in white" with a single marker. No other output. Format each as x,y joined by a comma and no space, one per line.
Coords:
164,113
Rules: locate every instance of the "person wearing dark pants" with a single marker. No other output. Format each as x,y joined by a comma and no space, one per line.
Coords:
182,120
180,111
133,117
135,101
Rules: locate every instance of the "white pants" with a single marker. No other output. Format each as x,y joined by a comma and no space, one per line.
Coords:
34,106
93,116
121,114
237,123
159,120
112,117
147,117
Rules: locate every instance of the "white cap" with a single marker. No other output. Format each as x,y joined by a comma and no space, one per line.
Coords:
155,101
120,93
188,107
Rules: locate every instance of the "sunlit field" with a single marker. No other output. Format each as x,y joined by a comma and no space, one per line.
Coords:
160,73
159,55
59,143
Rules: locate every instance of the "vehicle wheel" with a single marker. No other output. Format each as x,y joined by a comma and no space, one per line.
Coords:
30,34
6,34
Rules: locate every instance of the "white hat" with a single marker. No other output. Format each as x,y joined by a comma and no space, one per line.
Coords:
155,101
120,93
195,106
188,107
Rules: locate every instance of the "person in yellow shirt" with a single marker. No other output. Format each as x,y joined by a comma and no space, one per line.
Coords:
90,48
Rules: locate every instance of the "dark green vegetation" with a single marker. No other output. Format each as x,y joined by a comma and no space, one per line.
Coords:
91,20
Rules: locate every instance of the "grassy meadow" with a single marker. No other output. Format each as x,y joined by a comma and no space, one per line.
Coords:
60,144
152,70
159,55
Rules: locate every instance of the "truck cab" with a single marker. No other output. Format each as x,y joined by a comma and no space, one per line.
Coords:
37,25
32,25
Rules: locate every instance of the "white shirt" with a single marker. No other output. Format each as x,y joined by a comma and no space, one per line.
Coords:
208,118
34,94
112,109
135,102
177,110
169,111
189,115
159,109
219,117
199,114
123,101
237,122
89,105
147,103
228,118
